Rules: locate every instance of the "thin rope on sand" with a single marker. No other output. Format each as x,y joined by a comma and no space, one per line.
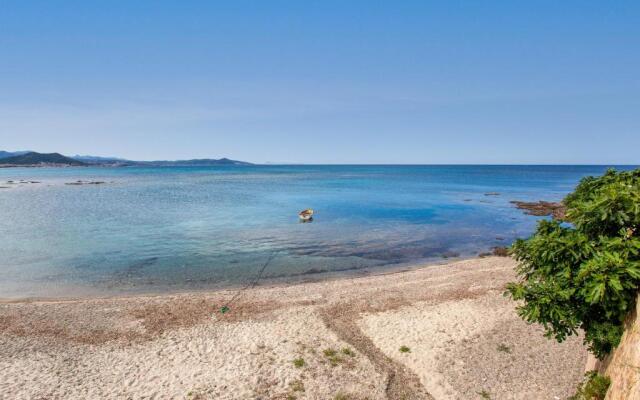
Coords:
250,285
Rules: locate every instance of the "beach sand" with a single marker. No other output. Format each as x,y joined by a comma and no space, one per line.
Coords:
464,338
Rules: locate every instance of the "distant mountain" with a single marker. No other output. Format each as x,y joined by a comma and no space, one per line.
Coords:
114,161
5,154
102,160
33,158
204,162
40,159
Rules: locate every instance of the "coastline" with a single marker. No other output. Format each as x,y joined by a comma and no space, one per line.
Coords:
264,283
464,338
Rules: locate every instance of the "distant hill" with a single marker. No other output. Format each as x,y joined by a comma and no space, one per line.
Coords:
98,160
104,161
32,158
37,159
204,162
5,154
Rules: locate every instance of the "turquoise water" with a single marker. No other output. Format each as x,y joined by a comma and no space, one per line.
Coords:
158,229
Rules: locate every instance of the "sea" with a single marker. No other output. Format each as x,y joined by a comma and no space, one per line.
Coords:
173,229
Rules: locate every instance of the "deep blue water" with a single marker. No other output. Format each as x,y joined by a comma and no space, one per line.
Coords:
176,228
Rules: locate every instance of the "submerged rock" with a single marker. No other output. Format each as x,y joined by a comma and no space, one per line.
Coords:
542,208
496,251
85,183
314,271
500,251
450,254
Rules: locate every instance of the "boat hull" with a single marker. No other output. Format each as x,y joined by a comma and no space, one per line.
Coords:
306,215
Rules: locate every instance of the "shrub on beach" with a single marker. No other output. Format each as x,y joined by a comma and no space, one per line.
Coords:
594,387
584,273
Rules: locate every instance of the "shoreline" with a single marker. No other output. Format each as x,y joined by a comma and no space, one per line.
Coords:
265,283
463,334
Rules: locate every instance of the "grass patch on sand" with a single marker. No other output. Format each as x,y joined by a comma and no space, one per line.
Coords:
297,386
348,352
405,349
329,352
332,356
504,348
342,396
484,394
299,362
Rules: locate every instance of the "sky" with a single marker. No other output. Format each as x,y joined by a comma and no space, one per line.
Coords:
396,82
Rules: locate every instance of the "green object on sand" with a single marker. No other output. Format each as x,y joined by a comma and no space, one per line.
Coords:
250,285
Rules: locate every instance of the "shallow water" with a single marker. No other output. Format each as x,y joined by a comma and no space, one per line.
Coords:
176,228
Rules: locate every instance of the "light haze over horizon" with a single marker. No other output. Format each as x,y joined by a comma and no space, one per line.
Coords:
324,82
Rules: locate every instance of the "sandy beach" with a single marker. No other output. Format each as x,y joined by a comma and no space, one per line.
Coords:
337,339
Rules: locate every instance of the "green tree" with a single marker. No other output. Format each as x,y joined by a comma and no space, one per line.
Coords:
584,273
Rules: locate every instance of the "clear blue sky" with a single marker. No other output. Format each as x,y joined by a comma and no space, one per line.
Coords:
324,81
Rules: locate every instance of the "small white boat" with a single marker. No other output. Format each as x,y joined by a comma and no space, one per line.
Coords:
306,215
